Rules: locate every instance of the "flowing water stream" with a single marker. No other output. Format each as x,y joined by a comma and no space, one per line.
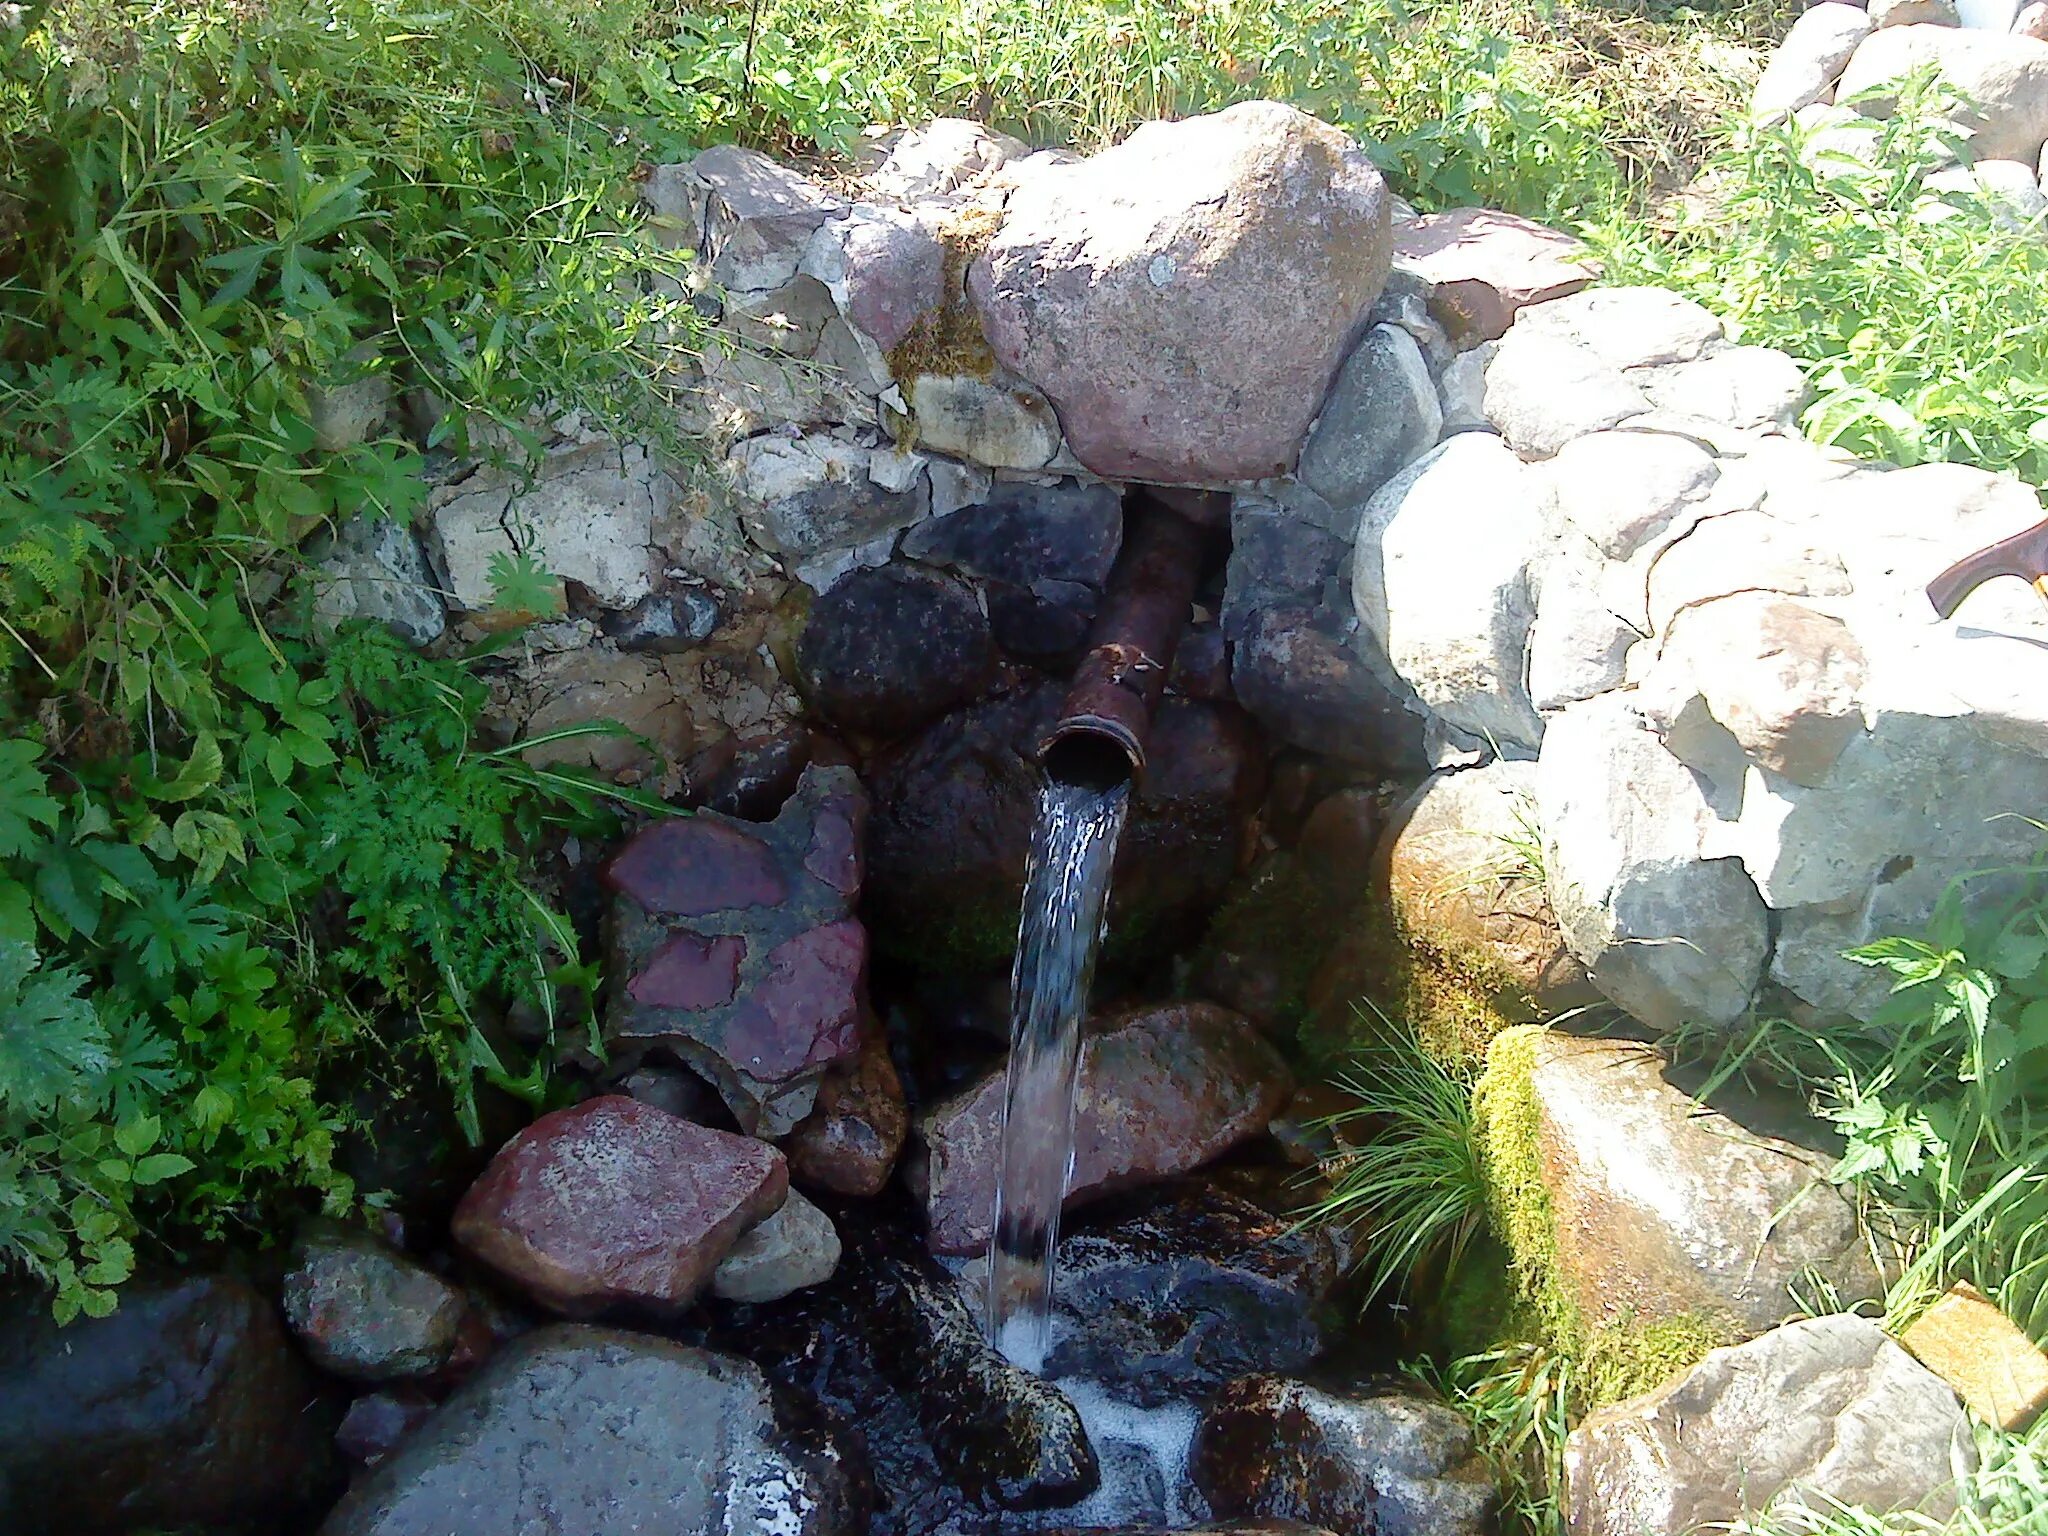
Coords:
1066,894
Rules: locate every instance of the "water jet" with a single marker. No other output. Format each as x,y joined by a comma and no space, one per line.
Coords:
1092,759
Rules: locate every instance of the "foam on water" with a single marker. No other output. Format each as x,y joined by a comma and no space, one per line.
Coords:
1144,1455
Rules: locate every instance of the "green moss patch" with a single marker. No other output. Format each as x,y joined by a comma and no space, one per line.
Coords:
948,340
1448,1001
1612,1360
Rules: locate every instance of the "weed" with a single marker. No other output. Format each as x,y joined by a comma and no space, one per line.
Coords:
1414,1189
1926,337
238,858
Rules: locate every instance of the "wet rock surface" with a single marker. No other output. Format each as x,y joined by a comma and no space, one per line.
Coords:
849,1143
1817,1414
1168,1296
1160,1091
617,1203
378,1423
734,946
605,1433
953,807
187,1407
1388,1462
365,1312
889,648
956,1437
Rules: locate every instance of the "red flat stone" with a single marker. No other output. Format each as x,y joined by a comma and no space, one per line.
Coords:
805,1010
689,866
688,970
614,1201
1488,266
834,854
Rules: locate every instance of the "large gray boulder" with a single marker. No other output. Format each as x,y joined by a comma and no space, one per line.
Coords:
1817,1413
1185,298
1668,935
1441,580
2003,78
1810,60
607,1434
1382,413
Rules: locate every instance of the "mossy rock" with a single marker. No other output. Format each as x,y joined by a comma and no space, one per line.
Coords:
949,339
1448,1001
1612,1359
1643,1226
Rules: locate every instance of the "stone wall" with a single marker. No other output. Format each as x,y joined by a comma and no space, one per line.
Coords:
1479,510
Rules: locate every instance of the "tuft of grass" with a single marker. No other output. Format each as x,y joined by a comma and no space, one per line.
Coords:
1519,1400
1415,1187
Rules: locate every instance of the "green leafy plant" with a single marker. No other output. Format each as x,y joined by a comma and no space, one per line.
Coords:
1519,1400
1922,322
242,860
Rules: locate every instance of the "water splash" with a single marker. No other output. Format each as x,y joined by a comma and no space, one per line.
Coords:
1066,896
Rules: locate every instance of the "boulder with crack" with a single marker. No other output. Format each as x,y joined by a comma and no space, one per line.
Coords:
735,947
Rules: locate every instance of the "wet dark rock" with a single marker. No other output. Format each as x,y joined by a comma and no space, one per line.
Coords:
1224,1528
677,1091
850,1141
734,948
1160,1092
1391,1462
1175,1294
888,648
664,623
1298,661
364,1312
1266,943
378,1424
601,1433
751,777
1201,663
956,1439
1007,1437
1042,554
187,1408
951,827
617,1203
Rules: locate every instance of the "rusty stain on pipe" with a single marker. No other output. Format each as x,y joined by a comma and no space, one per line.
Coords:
1145,607
2024,555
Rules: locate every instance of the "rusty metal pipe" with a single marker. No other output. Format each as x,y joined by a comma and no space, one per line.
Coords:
2024,555
1107,715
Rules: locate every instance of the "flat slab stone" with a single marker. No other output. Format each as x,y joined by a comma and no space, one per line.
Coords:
1486,267
734,946
603,1433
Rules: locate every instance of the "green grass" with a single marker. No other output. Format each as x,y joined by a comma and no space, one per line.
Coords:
1926,339
1413,1189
